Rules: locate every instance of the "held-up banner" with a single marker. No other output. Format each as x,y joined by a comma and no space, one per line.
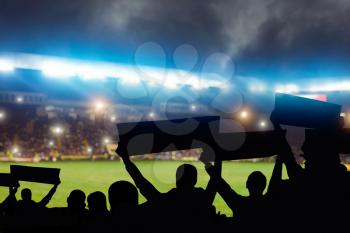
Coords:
36,174
159,136
7,180
245,145
167,135
304,112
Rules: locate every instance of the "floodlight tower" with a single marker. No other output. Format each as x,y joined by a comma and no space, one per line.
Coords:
2,116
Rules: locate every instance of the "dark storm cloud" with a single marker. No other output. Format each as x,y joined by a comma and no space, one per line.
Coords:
263,36
301,38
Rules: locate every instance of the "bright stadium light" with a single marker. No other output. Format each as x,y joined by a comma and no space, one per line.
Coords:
113,118
2,115
279,89
58,70
57,130
19,99
262,124
151,115
171,85
244,114
106,140
193,107
6,66
99,105
287,89
292,88
66,68
51,143
89,150
15,150
330,87
131,80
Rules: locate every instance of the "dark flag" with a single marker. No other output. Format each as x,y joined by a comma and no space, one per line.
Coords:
8,180
168,135
36,174
303,112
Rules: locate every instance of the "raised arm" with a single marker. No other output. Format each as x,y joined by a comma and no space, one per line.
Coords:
230,196
276,177
49,195
146,188
211,188
294,170
10,200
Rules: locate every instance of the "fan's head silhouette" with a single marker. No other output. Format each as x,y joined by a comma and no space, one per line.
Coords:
186,176
97,202
122,194
26,194
76,200
256,183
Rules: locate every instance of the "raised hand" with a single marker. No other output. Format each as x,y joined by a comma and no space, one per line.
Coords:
13,190
122,153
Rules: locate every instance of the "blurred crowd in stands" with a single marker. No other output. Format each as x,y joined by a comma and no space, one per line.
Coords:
25,135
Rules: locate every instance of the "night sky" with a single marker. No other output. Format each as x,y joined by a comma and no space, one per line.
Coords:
271,39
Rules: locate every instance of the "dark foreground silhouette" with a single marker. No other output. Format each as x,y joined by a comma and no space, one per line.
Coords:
313,198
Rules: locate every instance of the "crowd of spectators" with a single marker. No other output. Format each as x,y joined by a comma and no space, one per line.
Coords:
29,135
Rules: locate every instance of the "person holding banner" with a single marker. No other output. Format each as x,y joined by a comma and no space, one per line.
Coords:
308,197
247,210
9,204
185,200
28,205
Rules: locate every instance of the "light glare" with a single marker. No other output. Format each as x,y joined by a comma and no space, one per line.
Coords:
6,66
19,99
244,114
262,124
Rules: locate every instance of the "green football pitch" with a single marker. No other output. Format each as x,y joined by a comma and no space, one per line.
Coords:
91,176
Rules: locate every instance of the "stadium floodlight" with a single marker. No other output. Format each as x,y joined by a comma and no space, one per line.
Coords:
15,150
287,89
193,107
330,87
6,66
66,68
113,118
99,106
91,72
152,115
2,115
57,130
106,140
58,70
279,89
171,85
19,99
262,124
244,114
292,88
131,80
